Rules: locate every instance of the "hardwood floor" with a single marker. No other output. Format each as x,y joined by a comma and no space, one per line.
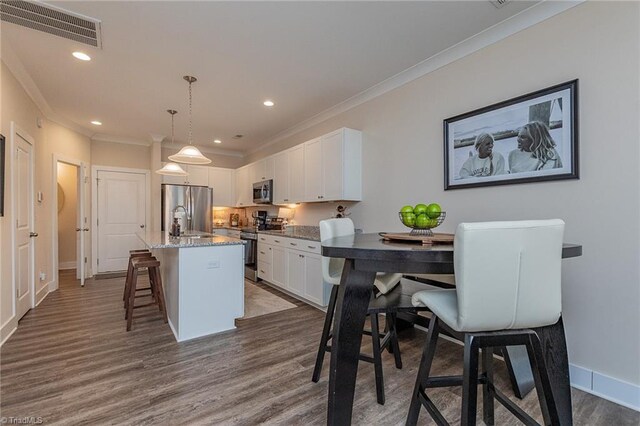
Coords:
72,362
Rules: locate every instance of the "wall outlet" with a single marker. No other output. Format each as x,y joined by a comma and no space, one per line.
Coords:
43,276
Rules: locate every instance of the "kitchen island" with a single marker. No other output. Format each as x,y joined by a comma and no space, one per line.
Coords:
203,281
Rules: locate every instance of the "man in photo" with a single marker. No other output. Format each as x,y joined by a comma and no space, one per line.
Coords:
485,162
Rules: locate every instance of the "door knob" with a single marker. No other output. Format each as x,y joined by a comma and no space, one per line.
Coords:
78,229
141,226
86,229
33,234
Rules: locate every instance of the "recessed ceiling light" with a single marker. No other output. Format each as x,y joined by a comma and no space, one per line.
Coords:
268,103
96,122
217,141
81,56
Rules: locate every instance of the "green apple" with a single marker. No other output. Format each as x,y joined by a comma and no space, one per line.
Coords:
406,209
422,221
432,223
409,219
420,209
433,211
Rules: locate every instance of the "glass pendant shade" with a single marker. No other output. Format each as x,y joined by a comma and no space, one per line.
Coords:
189,155
172,169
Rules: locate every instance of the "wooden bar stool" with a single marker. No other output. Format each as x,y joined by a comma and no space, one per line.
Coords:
127,282
153,268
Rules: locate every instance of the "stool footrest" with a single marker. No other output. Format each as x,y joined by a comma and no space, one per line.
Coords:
145,305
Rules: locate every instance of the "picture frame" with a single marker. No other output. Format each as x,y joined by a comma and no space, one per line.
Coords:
529,138
2,172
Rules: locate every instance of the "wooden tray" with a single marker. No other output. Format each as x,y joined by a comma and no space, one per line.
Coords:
425,240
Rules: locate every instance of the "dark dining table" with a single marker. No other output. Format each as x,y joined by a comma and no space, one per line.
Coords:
367,254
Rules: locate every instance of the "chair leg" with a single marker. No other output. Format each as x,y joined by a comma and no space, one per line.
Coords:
127,283
132,296
393,339
423,371
488,394
326,330
469,382
160,293
153,286
543,383
377,358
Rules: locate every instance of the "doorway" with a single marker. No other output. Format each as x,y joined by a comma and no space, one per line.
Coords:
69,218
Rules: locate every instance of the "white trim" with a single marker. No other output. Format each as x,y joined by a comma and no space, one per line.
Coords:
606,387
45,290
117,139
62,266
11,325
94,204
510,26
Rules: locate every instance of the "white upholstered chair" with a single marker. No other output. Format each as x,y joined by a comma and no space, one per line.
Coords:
507,283
331,273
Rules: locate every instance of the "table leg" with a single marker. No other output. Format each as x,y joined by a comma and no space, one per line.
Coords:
554,347
354,294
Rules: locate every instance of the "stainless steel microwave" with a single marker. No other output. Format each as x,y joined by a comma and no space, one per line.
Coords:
263,192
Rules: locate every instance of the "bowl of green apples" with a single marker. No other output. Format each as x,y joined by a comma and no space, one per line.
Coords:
422,218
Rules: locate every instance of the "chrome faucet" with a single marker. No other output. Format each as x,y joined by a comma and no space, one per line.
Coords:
188,216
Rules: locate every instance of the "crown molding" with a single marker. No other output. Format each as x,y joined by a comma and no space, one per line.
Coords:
208,150
117,139
510,26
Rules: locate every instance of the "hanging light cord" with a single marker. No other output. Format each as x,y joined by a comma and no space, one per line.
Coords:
190,117
172,128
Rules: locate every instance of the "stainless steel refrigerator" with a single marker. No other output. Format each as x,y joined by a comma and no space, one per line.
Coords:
191,203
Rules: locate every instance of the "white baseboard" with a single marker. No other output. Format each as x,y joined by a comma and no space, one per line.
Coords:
67,265
609,388
7,329
43,292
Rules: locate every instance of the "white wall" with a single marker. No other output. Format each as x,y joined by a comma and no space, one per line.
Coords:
597,42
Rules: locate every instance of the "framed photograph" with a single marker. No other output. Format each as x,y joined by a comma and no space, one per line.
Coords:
2,175
530,138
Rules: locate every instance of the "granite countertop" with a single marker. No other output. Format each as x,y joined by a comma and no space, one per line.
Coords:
162,239
311,233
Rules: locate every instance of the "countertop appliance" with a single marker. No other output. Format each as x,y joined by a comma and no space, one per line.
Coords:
192,205
263,192
259,219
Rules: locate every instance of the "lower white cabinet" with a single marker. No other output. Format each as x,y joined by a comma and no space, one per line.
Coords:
294,265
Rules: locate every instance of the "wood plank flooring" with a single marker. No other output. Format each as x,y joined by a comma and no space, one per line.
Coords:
72,362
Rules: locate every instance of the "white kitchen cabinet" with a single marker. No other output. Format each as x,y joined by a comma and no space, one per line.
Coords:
262,170
198,175
233,233
281,178
333,167
313,170
313,283
295,273
244,191
279,266
223,182
296,174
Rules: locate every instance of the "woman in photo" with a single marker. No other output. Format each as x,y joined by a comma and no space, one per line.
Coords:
485,162
536,150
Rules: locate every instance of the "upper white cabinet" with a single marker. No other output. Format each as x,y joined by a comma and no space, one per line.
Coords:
281,178
296,174
244,189
261,170
223,182
198,175
333,167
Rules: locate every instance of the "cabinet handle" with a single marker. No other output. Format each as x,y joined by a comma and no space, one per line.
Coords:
269,248
293,244
262,252
300,255
261,271
312,247
286,199
277,241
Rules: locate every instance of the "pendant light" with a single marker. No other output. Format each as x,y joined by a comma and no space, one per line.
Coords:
172,169
189,154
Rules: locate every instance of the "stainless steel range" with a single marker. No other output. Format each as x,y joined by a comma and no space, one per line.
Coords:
250,253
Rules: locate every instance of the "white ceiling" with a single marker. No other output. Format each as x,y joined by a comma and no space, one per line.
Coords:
306,56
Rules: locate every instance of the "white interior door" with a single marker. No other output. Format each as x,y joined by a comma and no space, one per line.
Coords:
23,175
121,214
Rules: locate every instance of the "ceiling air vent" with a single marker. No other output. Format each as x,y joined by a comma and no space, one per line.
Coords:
499,3
53,20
